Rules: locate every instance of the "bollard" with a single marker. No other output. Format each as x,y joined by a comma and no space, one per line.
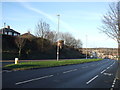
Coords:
16,60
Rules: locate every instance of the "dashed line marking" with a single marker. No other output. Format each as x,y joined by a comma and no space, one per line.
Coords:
111,65
70,71
108,67
103,71
22,82
113,84
92,79
6,71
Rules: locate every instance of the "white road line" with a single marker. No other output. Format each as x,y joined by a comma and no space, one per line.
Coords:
70,71
6,71
114,80
112,86
113,83
103,71
22,82
108,67
92,79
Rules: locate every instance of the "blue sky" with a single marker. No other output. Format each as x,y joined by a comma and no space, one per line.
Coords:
78,18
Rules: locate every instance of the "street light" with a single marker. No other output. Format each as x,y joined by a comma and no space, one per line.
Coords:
57,41
86,46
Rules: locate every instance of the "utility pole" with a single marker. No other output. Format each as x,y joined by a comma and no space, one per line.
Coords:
4,24
86,46
58,39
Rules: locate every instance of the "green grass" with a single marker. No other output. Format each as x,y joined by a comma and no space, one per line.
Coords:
42,64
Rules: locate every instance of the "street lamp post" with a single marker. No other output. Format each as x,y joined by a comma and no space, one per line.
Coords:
57,41
86,46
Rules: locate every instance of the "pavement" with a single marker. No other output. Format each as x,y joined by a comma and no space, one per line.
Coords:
100,74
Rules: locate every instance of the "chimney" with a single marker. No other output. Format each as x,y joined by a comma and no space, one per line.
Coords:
29,32
8,27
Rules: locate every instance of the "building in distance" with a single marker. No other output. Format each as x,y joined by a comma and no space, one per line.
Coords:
8,31
111,53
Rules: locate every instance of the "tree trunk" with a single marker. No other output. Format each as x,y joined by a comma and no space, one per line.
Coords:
19,52
118,70
42,44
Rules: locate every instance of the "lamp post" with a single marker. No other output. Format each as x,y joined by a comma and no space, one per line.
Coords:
57,41
86,46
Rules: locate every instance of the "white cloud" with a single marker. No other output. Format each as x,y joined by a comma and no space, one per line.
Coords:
63,24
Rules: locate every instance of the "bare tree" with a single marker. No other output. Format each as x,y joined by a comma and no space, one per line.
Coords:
20,42
70,40
78,43
42,30
52,36
111,27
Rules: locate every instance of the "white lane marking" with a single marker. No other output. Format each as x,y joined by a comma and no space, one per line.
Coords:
70,71
103,71
113,83
108,74
6,71
33,79
92,79
114,80
112,86
111,65
108,67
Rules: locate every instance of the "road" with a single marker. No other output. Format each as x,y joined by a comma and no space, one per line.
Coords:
100,74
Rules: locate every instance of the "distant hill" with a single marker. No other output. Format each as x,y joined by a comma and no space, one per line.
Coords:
33,50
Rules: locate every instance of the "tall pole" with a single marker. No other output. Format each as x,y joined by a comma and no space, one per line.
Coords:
58,39
86,46
4,24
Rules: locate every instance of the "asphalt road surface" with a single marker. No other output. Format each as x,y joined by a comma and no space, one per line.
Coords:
100,74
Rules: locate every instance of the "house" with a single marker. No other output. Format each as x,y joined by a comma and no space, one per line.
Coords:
27,35
101,52
8,31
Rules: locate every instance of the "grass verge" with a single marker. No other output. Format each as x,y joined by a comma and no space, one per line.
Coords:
42,64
